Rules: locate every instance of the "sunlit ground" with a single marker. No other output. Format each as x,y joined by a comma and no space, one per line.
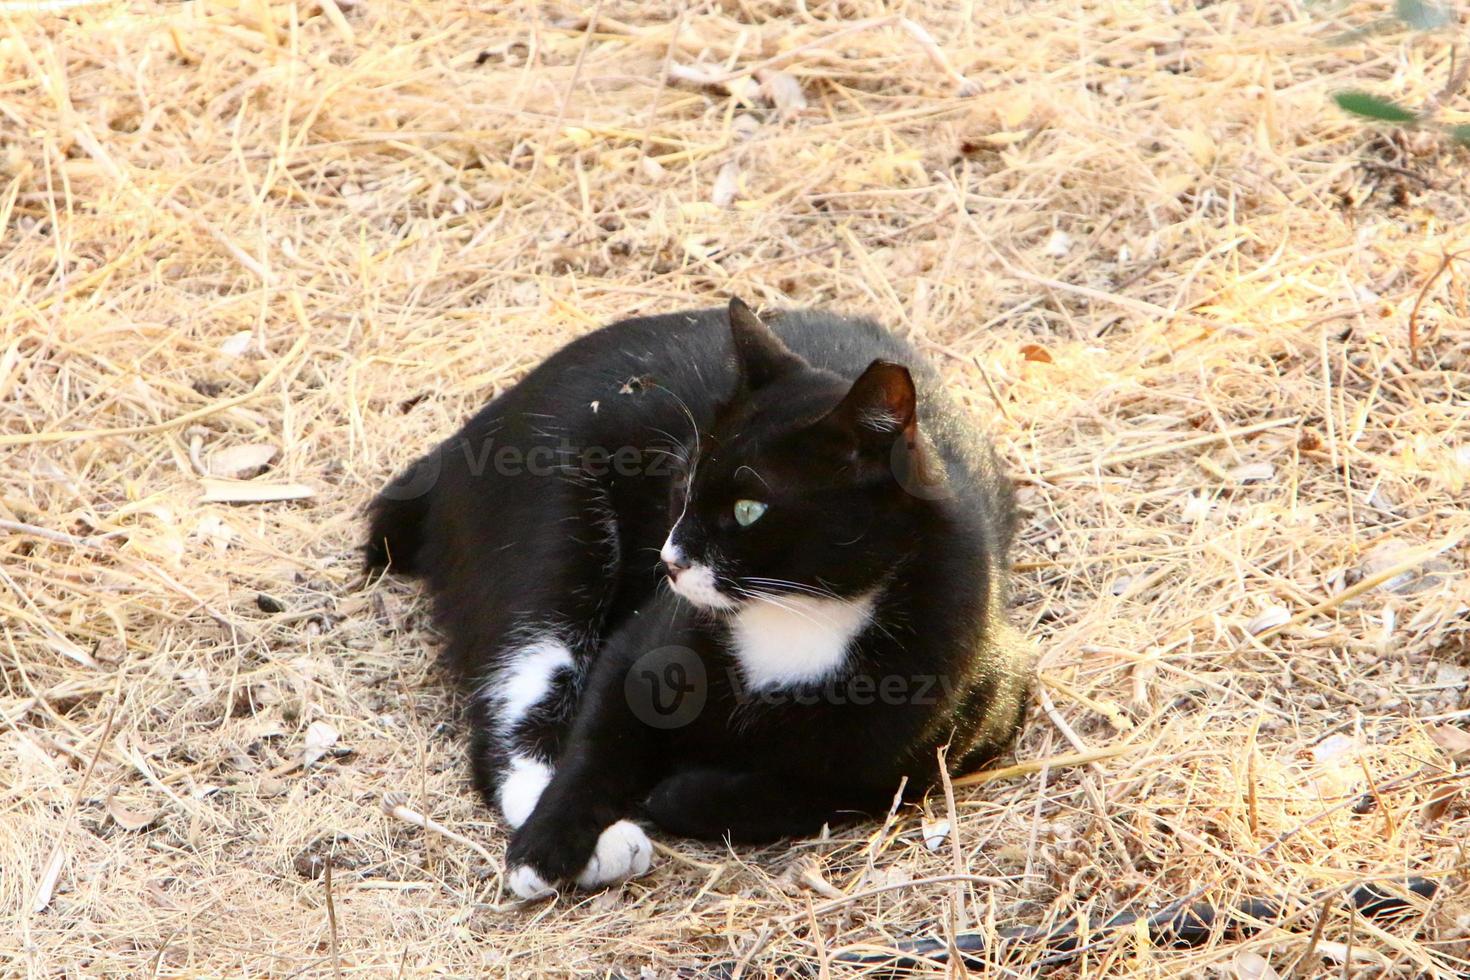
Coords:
255,256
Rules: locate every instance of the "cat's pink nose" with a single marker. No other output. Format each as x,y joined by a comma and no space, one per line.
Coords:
673,558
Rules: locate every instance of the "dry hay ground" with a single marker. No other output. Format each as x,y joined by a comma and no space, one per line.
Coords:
1174,282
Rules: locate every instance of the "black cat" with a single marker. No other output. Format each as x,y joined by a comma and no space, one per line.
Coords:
833,548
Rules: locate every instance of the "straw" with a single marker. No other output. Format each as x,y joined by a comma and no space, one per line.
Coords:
1207,318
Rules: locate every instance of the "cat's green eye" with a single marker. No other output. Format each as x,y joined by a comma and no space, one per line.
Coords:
747,512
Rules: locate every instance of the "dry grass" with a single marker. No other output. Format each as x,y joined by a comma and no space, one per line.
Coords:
1172,280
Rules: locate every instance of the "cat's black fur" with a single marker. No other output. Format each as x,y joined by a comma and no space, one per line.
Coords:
544,517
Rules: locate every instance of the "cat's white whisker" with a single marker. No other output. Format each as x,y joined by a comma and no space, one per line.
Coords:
784,601
776,597
693,458
821,591
780,583
698,583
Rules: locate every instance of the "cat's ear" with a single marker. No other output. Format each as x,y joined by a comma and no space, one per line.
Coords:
880,405
759,353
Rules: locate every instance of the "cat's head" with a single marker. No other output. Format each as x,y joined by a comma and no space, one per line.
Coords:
801,488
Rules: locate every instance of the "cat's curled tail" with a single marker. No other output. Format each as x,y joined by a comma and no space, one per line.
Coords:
398,517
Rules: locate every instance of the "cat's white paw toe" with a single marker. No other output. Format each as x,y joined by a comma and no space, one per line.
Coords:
623,851
526,883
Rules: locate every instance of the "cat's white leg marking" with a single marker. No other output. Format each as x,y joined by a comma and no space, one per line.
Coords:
526,678
521,786
796,639
513,692
623,851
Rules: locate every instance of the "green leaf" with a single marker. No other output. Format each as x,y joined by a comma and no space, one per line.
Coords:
1460,134
1371,106
1420,15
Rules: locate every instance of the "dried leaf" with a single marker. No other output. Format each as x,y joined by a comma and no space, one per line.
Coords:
1451,675
727,185
744,90
47,885
196,679
1252,472
1335,748
71,651
269,787
217,491
1006,137
1342,953
237,460
1454,740
236,344
1196,507
1438,804
783,90
1268,618
1058,245
319,738
652,169
127,817
1252,966
936,832
1014,109
1200,145
744,126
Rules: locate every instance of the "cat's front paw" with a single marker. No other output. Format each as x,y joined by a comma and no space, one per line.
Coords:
527,883
622,851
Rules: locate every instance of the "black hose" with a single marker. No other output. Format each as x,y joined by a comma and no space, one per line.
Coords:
1178,925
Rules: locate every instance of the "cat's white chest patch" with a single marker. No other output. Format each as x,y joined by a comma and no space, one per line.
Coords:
796,639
